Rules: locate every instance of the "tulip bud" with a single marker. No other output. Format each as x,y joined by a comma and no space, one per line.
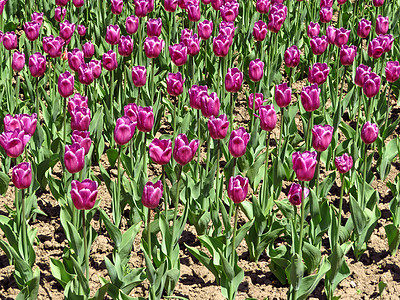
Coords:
110,60
154,27
152,193
132,24
113,34
369,133
342,37
216,4
218,127
321,137
124,130
325,14
283,95
85,74
295,194
78,3
361,71
363,29
53,46
141,8
233,80
23,122
175,84
178,53
195,94
88,49
10,40
66,30
145,119
22,175
228,29
263,6
84,194
378,3
131,111
386,41
318,73
75,59
116,6
183,150
259,30
205,29
258,101
319,44
331,33
13,142
327,3
139,74
74,158
185,34
238,189
238,142
221,45
37,17
372,83
160,151
313,29
125,46
80,118
37,64
210,105
95,65
18,61
292,57
229,11
194,13
83,139
256,70
153,46
77,100
347,55
382,25
344,163
66,84
275,21
32,30
193,45
310,97
304,165
267,117
392,71
81,30
170,5
59,13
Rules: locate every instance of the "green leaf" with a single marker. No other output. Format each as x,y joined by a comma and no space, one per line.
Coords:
309,283
112,155
295,271
393,236
31,289
204,260
100,293
312,256
357,215
74,238
382,285
4,183
112,230
59,272
388,155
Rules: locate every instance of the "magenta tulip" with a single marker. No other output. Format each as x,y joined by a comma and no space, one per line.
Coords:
259,30
382,25
318,44
154,27
361,72
344,163
238,142
84,194
113,34
372,83
321,137
18,61
110,60
83,139
392,71
364,28
37,64
85,74
304,165
175,84
124,130
32,30
347,55
295,194
292,57
310,97
116,6
66,84
183,150
22,175
238,189
74,158
205,29
218,127
10,40
67,30
80,118
283,95
132,24
13,142
152,193
125,46
153,46
195,94
145,119
233,80
221,45
160,151
313,29
369,133
267,117
263,6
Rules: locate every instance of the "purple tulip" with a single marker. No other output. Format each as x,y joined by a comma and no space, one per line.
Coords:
378,3
153,46
205,29
88,49
331,33
152,193
228,29
342,36
364,28
62,2
170,5
233,80
392,71
221,45
256,70
37,17
194,13
372,83
369,133
32,30
382,25
283,95
160,151
74,158
78,3
344,163
23,122
10,40
229,11
258,101
325,14
292,57
361,71
183,150
85,74
327,3
195,94
175,84
193,45
275,21
37,64
318,73
22,175
154,27
141,8
59,13
75,59
83,139
210,105
216,4
238,189
113,34
76,101
53,46
124,130
263,6
386,42
321,137
66,84
13,142
185,34
66,30
267,117
150,6
313,29
310,97
132,24
295,194
304,165
218,127
131,111
139,74
178,53
110,60
259,30
18,61
95,65
347,55
116,6
145,119
80,118
125,46
81,30
84,194
319,44
238,142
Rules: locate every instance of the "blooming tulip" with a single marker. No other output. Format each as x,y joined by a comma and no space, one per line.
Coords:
83,139
116,6
382,25
318,73
88,49
77,100
10,40
195,94
361,72
344,163
233,80
84,194
141,8
183,150
178,53
210,105
258,101
331,33
175,84
238,189
145,119
125,46
218,127
319,44
364,28
154,27
37,17
342,36
170,5
292,57
113,34
392,71
267,117
18,61
347,55
37,64
221,45
13,142
75,59
131,111
256,70
372,83
310,97
132,24
139,74
24,122
313,29
160,151
153,46
263,6
59,13
275,21
95,65
205,29
110,60
78,3
321,137
66,84
74,158
124,130
283,95
81,30
152,193
53,46
85,74
229,11
295,194
22,175
304,165
80,118
259,30
369,133
378,3
325,14
32,30
66,30
194,13
238,142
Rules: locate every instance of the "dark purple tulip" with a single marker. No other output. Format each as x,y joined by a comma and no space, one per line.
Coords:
77,101
84,194
263,6
275,21
154,27
193,45
83,139
347,55
372,83
210,105
153,46
378,3
259,30
256,70
59,13
342,36
150,6
175,84
75,59
66,84
295,194
364,28
233,80
141,8
205,29
392,71
361,72
238,189
139,74
218,127
267,117
62,2
386,42
37,64
310,97
216,4
331,33
125,46
183,150
132,24
124,130
170,5
10,40
160,151
292,57
319,44
13,142
185,34
66,30
304,165
2,4
318,73
53,46
221,45
78,3
37,17
238,142
341,2
228,29
327,3
88,49
152,193
325,14
194,13
95,65
259,100
81,30
344,163
113,34
229,11
178,53
145,119
206,2
22,175
116,6
74,158
321,137
32,30
283,95
18,61
110,60
382,25
195,94
85,74
131,111
313,29
80,118
369,133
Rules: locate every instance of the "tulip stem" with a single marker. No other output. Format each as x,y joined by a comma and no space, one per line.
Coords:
254,108
231,117
144,155
175,103
148,231
281,129
178,179
152,82
217,175
369,104
116,201
388,107
112,97
342,83
85,244
164,192
198,136
309,129
364,200
237,208
359,111
65,122
265,182
318,170
340,209
222,85
301,219
37,98
208,153
290,76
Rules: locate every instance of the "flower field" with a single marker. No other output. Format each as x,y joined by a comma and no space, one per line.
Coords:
199,149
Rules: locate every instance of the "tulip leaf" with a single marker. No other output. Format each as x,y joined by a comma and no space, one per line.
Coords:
112,155
59,272
31,289
309,283
295,271
388,155
112,230
393,236
4,183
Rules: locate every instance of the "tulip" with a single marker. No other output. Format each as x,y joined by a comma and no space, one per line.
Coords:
319,44
84,194
195,94
344,163
175,84
325,14
139,74
218,127
221,45
66,84
32,30
23,122
183,150
154,27
238,142
378,3
10,40
37,64
372,83
78,3
110,60
11,123
193,45
59,13
76,101
88,49
238,189
62,2
85,74
185,34
216,4
152,193
233,80
341,2
256,70
327,3
229,11
145,119
22,175
267,117
74,158
153,47
263,6
205,29
83,139
342,36
310,97
386,42
313,29
210,105
131,111
194,13
295,194
382,25
13,142
113,34
369,133
125,46
53,46
18,61
141,8
75,59
116,6
170,5
283,95
80,118
124,130
318,73
228,29
304,165
150,6
361,72
275,21
259,30
95,66
160,151
37,17
364,28
178,53
292,57
66,30
347,55
392,71
321,137
258,101
331,33
132,24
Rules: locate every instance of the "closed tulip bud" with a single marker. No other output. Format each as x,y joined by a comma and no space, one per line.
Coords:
283,94
37,17
183,150
85,74
238,142
153,47
59,13
124,130
195,94
83,139
132,24
80,118
22,175
292,57
372,83
382,25
344,163
259,30
342,36
78,3
131,111
141,8
113,34
66,30
53,46
341,2
18,61
364,28
218,127
10,40
328,3
75,59
295,194
361,71
206,2
154,27
110,60
392,71
88,49
210,105
233,80
13,142
193,45
221,45
2,4
318,73
205,29
256,70
319,44
139,74
150,6
178,53
347,55
62,2
258,101
263,6
331,33
152,193
369,133
310,97
74,158
267,117
321,137
32,30
216,4
125,46
76,101
84,194
95,65
37,64
145,119
160,151
116,6
378,3
238,189
175,84
325,14
66,84
304,165
194,13
275,21
313,29
170,5
229,11
81,30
